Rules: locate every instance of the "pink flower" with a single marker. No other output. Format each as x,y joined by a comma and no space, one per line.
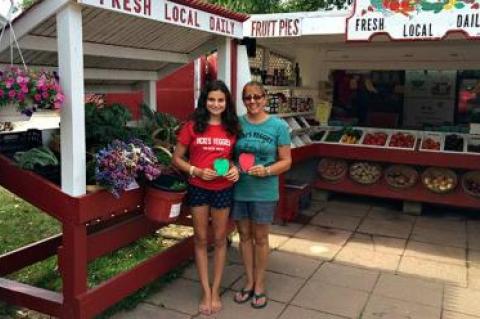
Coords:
22,79
60,97
37,97
45,95
9,82
24,88
41,82
57,105
1,93
11,94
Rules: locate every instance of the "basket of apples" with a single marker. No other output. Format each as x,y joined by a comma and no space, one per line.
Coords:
331,169
471,183
439,180
401,176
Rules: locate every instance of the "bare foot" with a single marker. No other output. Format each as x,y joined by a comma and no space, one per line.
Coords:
216,302
205,306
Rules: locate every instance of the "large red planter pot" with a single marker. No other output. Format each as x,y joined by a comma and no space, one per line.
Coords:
163,206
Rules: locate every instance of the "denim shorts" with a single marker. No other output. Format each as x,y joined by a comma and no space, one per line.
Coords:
258,212
197,196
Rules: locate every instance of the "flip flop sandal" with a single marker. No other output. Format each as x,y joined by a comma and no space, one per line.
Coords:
256,297
246,295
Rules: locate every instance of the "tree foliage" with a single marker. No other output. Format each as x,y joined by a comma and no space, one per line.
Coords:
250,6
24,4
272,6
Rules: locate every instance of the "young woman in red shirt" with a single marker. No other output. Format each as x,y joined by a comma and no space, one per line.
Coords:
208,139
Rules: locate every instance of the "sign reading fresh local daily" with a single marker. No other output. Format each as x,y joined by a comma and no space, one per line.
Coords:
413,19
170,12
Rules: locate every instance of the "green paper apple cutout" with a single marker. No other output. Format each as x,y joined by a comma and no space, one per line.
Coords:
221,166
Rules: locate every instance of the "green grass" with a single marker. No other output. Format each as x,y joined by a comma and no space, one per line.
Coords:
21,224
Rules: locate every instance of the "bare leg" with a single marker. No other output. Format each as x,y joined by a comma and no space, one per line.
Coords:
246,249
220,221
200,227
261,257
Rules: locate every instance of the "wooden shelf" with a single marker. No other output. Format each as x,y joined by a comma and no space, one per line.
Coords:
418,193
387,155
293,114
284,88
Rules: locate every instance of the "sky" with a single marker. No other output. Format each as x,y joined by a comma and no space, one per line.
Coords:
4,6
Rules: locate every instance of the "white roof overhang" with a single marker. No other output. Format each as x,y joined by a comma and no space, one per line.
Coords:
117,41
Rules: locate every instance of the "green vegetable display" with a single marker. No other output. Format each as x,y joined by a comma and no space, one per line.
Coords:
39,156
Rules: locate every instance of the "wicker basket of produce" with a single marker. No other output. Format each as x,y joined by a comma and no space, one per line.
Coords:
331,169
439,180
365,173
401,176
471,183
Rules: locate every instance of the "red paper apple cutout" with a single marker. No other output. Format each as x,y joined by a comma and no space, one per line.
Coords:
246,160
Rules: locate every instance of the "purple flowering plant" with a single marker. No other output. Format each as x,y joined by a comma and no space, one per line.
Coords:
30,90
120,164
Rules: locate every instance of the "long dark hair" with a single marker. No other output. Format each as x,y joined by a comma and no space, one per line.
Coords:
201,116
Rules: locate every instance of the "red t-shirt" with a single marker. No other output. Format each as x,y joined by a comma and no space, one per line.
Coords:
204,148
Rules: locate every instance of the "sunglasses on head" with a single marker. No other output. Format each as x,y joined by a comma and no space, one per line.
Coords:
255,97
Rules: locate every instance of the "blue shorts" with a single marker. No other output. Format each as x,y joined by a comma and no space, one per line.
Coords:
197,196
258,212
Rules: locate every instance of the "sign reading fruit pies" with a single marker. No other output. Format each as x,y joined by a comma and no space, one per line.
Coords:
413,19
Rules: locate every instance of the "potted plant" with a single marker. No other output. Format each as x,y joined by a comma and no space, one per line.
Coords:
164,195
162,127
22,92
120,164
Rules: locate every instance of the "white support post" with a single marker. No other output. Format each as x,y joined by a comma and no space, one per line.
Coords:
243,77
197,81
72,128
150,94
224,61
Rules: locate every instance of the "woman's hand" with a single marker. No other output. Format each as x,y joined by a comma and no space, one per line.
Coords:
206,174
232,174
258,170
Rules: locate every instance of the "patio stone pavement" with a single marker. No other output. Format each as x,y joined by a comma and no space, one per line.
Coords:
354,260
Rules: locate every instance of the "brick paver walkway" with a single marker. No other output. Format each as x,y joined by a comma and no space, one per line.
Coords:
352,260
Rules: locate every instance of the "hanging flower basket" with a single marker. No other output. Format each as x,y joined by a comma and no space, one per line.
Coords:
9,113
23,92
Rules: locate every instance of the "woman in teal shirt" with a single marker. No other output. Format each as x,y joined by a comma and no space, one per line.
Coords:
264,138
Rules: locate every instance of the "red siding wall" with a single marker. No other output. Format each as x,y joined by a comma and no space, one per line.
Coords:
175,92
174,95
131,100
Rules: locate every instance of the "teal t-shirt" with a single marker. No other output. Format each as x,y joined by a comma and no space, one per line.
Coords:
262,140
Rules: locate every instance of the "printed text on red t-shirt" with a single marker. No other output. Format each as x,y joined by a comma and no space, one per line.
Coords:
214,144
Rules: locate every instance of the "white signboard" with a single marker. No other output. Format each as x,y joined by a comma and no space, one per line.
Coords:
174,13
420,111
413,20
429,97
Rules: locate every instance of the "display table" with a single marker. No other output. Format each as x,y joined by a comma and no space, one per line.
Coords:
418,193
93,225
